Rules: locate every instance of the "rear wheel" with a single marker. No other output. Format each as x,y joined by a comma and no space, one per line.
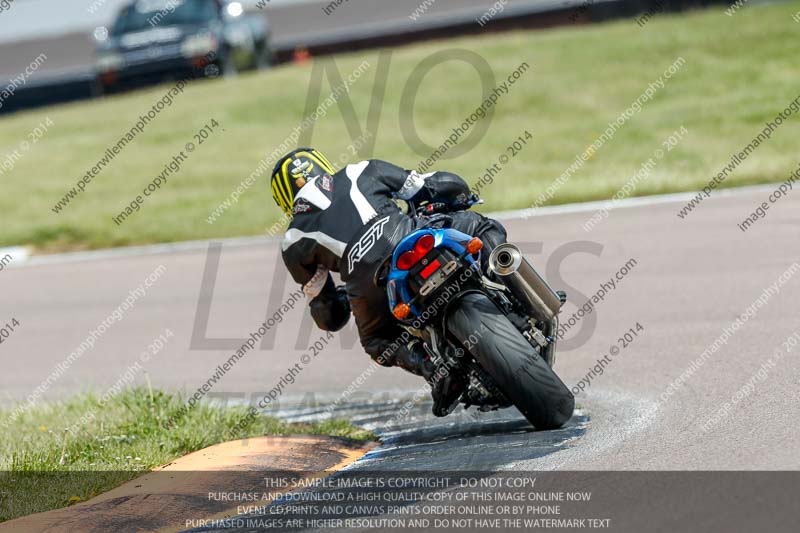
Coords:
501,350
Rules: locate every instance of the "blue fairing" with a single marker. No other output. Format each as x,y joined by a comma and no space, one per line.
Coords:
397,281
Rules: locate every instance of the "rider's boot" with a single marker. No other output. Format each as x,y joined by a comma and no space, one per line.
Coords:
446,387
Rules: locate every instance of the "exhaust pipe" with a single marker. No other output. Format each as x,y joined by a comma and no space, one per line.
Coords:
524,282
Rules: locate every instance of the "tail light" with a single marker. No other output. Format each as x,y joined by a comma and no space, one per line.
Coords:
410,258
430,269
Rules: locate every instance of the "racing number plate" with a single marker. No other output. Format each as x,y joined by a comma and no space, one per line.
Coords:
438,277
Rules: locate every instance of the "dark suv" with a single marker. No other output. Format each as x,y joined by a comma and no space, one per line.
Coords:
153,40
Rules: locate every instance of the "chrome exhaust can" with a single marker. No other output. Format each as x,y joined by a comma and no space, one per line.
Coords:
524,282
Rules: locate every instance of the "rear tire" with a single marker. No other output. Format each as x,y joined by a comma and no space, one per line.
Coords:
501,350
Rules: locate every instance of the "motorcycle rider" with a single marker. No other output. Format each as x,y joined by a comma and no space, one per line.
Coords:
349,222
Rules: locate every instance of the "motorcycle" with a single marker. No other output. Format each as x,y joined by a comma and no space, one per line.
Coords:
495,329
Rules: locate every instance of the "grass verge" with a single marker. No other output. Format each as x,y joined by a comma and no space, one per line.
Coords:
44,467
739,72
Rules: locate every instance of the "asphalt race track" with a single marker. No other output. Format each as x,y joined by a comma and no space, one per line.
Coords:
691,280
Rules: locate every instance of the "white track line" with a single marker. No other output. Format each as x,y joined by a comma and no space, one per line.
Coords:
621,417
624,203
23,259
135,251
19,254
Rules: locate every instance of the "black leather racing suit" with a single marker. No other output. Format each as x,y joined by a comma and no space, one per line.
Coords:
349,223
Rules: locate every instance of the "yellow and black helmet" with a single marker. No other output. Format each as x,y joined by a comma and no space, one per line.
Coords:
293,170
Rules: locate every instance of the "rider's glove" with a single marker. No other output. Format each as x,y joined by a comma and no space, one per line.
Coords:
331,311
463,202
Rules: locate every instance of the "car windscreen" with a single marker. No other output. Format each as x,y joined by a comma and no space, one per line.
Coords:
146,14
